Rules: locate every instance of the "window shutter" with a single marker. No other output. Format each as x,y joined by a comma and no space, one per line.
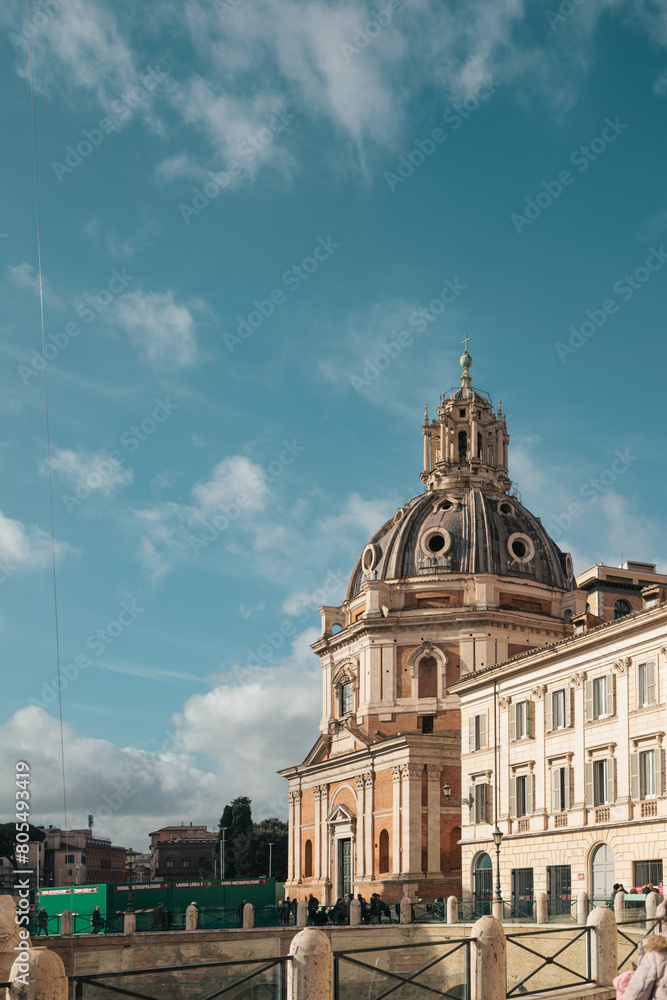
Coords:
548,711
513,798
529,794
657,761
471,734
590,784
482,731
530,719
589,700
650,684
512,721
569,693
611,775
555,789
566,782
483,811
471,801
638,686
635,793
610,694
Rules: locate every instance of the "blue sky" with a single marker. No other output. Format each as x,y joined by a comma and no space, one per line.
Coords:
265,231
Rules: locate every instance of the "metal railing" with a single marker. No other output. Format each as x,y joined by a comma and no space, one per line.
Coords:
624,940
459,990
278,987
581,955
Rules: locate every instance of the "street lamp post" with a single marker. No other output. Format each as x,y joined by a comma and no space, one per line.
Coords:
223,830
497,898
130,856
270,853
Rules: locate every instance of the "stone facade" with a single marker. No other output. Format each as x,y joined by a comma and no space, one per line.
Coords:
575,777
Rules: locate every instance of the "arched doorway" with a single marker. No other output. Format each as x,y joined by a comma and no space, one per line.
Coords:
603,872
482,880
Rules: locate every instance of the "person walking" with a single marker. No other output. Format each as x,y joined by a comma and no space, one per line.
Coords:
167,919
313,905
610,903
42,922
239,912
375,908
157,918
97,920
294,906
649,981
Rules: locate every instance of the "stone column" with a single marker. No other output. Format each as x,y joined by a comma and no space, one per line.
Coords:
191,917
129,923
405,909
297,835
396,821
433,820
66,923
582,907
355,913
605,946
368,825
360,869
290,836
248,916
317,860
652,905
452,910
310,973
619,907
325,860
301,913
488,960
412,819
541,907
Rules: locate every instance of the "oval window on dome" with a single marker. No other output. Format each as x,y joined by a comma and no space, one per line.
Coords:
435,542
370,557
505,507
520,547
446,505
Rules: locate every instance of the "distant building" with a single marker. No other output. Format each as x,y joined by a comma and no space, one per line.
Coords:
181,852
77,857
615,591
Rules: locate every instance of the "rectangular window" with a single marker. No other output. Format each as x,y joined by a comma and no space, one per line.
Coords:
520,720
522,893
69,859
559,890
560,789
521,796
559,709
648,871
425,723
600,782
347,698
478,800
646,694
477,732
599,699
646,774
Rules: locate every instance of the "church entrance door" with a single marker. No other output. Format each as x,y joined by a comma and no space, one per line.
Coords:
345,866
603,873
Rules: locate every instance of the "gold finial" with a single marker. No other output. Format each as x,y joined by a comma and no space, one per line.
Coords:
466,362
426,413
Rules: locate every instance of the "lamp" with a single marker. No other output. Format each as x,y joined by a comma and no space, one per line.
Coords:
447,792
497,840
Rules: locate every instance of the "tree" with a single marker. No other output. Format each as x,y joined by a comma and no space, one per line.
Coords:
8,841
247,843
271,831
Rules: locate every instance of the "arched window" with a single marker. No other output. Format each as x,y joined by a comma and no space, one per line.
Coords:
346,698
308,859
479,446
383,852
428,678
463,446
186,862
621,608
170,862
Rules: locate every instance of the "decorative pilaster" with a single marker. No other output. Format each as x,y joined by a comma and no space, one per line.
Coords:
411,819
368,824
396,814
433,821
297,835
360,867
317,860
290,836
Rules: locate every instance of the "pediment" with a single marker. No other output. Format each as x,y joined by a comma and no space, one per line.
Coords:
320,750
341,814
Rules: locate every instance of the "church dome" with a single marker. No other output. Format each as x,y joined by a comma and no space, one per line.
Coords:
467,529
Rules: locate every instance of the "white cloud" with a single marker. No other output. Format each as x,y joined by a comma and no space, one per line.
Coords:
94,471
359,516
152,561
25,277
236,480
25,548
162,330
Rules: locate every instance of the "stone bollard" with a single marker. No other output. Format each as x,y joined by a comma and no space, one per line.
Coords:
497,910
488,960
191,917
582,907
355,913
605,946
541,907
619,906
406,911
248,916
652,906
302,913
661,912
310,973
452,910
66,922
129,922
46,979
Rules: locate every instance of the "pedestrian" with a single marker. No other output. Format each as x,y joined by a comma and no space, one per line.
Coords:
97,920
294,906
239,912
363,909
375,910
157,918
349,899
649,981
648,888
167,919
285,911
313,904
42,922
615,889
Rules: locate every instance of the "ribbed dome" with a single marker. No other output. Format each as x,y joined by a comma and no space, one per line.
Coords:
463,530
